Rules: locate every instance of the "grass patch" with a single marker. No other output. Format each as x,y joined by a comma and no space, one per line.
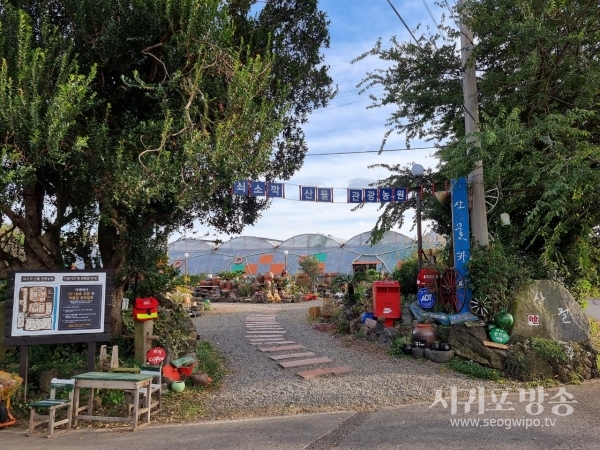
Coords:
549,350
211,361
396,346
473,369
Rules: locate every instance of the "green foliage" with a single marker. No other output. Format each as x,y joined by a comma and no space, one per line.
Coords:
2,290
473,369
173,328
68,359
406,275
116,115
396,346
496,273
311,266
211,361
550,350
538,79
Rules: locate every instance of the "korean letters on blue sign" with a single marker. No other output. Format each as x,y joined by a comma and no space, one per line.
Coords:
258,189
276,190
386,195
400,194
325,194
371,196
355,195
308,194
240,187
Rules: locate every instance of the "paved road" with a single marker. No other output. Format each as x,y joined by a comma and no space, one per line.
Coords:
415,427
593,308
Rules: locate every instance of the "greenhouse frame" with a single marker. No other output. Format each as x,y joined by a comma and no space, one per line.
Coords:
256,255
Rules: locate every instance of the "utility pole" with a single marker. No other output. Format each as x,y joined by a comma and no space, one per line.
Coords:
479,227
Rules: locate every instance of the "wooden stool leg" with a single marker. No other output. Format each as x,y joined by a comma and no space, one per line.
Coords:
51,416
32,415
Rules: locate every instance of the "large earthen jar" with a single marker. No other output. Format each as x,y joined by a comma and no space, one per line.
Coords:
269,276
260,279
424,332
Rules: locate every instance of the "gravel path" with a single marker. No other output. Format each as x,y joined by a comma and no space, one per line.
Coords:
257,386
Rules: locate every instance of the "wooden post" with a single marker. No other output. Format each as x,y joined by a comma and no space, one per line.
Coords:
23,367
143,330
91,360
314,311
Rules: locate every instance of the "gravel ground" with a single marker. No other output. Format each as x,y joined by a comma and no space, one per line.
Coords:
257,386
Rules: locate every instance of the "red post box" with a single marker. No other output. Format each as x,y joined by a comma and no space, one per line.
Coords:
386,301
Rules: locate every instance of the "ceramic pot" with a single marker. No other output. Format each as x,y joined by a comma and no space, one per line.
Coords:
445,347
216,281
260,279
435,346
269,276
424,332
407,349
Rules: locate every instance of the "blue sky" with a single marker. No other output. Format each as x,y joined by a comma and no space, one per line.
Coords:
346,126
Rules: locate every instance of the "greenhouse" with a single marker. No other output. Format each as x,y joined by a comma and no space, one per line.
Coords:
255,255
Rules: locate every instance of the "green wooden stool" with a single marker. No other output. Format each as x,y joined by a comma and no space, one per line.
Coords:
53,404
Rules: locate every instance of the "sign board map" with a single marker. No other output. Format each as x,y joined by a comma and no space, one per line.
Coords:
52,303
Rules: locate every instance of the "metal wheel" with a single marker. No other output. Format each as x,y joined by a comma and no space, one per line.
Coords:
453,291
481,308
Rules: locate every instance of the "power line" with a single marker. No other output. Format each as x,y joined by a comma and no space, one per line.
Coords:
339,106
404,23
431,14
373,151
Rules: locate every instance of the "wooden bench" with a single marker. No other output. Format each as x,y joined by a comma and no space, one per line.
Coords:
53,405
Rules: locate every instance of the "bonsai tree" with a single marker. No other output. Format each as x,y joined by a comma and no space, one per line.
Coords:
311,266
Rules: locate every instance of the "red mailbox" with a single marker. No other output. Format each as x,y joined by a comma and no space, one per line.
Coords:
386,301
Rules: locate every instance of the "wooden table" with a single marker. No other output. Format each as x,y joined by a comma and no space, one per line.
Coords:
109,380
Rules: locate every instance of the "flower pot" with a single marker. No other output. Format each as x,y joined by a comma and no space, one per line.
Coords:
407,349
435,346
424,332
418,352
366,315
216,281
177,386
445,347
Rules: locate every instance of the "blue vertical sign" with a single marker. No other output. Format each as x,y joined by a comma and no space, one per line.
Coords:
460,233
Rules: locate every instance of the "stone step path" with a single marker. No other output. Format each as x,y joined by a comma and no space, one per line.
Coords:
263,330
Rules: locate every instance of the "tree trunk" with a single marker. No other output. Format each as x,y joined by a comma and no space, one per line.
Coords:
115,310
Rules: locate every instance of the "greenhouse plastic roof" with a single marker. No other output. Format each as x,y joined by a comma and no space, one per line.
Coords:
256,255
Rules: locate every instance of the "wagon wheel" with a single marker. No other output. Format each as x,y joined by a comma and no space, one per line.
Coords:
453,290
481,308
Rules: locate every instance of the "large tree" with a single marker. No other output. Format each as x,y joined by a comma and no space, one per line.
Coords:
124,120
539,88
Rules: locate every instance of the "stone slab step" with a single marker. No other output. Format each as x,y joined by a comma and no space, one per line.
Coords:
281,348
304,362
328,371
265,336
267,340
292,355
273,328
265,332
273,342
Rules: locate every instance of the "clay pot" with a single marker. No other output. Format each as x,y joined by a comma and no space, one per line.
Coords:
216,281
201,379
269,276
228,284
222,284
424,332
260,279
